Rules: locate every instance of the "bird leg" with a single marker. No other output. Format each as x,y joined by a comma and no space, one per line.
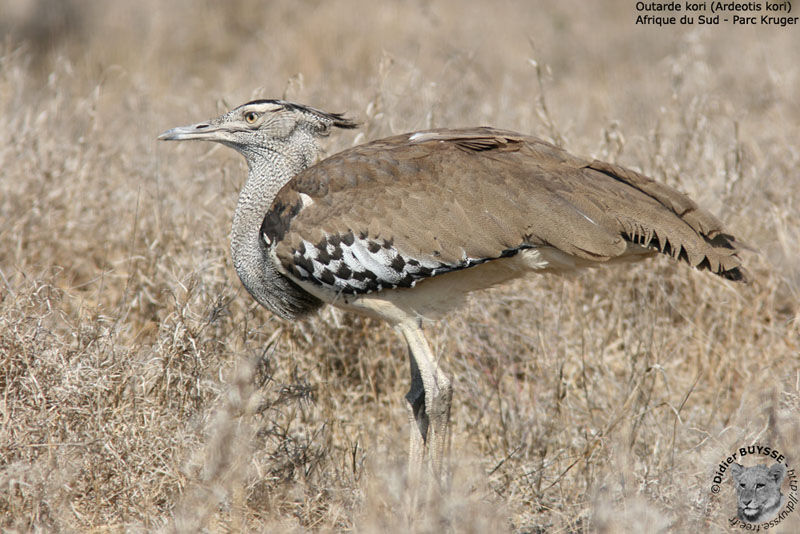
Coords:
429,406
418,422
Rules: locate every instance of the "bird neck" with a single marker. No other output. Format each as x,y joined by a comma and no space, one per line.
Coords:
271,166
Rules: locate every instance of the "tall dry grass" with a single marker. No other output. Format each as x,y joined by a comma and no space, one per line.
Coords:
142,389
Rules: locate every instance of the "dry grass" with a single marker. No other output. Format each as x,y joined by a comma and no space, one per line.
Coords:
141,389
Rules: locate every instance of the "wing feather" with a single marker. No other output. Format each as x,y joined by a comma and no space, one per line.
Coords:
408,207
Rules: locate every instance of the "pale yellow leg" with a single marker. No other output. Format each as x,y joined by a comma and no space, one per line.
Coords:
429,405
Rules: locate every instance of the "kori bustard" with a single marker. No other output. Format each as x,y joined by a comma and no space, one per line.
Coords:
403,228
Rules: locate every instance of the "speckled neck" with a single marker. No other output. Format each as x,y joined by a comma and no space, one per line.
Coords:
271,166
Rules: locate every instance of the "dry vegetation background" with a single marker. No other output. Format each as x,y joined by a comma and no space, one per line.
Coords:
142,389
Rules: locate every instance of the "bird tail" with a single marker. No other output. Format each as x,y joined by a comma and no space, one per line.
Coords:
674,225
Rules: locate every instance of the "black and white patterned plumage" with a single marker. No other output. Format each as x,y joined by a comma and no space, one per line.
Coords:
356,264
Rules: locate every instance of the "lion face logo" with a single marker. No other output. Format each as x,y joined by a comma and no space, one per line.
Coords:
758,491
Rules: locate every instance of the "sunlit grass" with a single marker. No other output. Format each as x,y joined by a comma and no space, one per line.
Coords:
142,388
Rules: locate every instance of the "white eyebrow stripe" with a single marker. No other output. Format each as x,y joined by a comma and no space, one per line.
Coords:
264,107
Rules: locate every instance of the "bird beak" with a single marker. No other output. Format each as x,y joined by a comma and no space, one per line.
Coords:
202,130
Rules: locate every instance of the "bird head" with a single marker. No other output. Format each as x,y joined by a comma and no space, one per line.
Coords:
260,123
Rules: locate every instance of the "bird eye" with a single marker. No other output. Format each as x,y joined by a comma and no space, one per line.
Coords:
251,117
